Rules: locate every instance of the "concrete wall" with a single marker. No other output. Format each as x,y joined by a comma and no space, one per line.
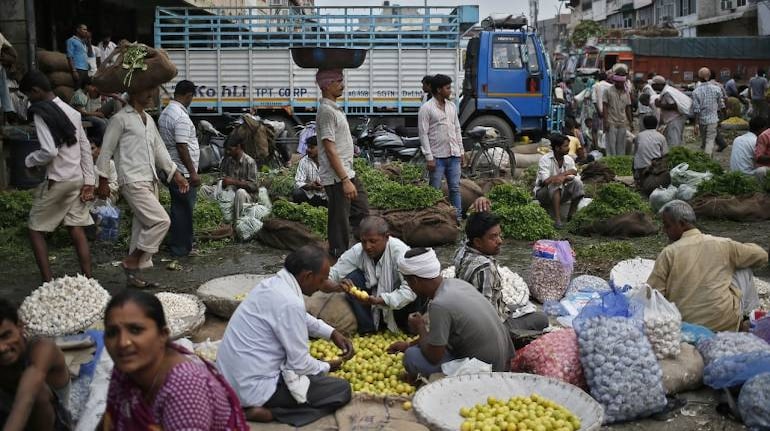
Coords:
13,25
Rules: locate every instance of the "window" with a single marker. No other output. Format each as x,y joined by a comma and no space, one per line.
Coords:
585,5
740,3
628,20
727,4
506,53
685,7
534,63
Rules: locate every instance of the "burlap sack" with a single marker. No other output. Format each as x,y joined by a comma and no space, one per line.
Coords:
64,93
629,225
159,71
427,227
255,137
524,161
755,207
469,192
58,79
529,148
52,61
654,176
487,184
286,235
597,172
333,309
371,412
683,373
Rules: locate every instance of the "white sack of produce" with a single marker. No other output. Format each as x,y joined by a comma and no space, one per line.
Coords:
686,192
725,344
754,403
183,312
683,373
681,174
524,161
661,196
662,322
620,367
631,272
551,269
64,306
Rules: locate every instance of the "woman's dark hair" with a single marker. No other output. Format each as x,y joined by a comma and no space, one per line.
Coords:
306,258
8,311
148,302
478,224
439,81
34,78
557,140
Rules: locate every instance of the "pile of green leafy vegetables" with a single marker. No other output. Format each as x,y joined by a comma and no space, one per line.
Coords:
730,184
623,166
611,200
520,217
385,193
314,218
697,161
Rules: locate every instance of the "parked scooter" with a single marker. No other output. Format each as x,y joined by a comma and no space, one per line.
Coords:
383,145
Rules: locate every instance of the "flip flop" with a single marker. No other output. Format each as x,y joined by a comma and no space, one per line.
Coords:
134,280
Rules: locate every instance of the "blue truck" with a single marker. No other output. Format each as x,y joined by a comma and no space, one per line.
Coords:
240,59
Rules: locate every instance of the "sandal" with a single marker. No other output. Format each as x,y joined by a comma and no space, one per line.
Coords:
134,280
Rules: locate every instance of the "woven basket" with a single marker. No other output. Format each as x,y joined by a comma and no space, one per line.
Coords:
632,272
186,326
438,404
219,294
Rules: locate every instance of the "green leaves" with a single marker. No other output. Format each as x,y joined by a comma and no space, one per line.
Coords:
207,215
14,207
133,58
730,184
314,218
385,193
698,161
612,200
520,217
621,165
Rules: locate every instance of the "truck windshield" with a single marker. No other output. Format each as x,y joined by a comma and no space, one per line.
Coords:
506,53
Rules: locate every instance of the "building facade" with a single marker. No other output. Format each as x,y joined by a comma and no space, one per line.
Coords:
553,31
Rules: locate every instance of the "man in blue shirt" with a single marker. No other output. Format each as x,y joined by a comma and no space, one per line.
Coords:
77,54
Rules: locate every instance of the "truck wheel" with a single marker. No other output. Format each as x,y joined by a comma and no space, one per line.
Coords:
504,129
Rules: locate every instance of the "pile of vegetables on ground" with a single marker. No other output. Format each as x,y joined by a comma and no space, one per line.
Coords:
314,218
730,184
697,161
521,218
623,166
611,200
385,193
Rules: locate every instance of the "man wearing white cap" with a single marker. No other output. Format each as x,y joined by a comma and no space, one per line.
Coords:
707,103
463,324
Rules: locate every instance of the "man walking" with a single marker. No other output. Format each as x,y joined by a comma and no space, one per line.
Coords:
178,133
348,202
616,111
133,139
77,55
66,155
441,139
707,102
673,104
758,92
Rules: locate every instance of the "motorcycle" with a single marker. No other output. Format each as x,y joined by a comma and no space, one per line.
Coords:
383,145
212,146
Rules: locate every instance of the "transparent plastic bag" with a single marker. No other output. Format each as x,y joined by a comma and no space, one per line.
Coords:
735,370
694,334
551,269
761,328
725,344
588,283
754,403
107,220
662,322
553,355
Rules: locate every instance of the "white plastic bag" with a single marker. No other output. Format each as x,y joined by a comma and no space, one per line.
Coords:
686,192
681,174
462,366
661,196
662,322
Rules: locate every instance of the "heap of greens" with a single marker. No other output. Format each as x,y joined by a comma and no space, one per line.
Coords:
520,217
730,184
611,200
314,218
623,166
385,193
697,161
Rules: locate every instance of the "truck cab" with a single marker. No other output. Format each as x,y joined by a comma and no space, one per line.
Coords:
507,80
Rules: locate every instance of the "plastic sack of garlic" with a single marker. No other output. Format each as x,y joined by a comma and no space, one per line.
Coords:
64,306
208,350
725,344
662,322
514,288
620,368
754,403
553,355
178,310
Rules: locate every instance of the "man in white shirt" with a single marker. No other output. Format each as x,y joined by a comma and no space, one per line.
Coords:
557,181
372,266
264,351
742,158
104,49
178,133
133,140
427,91
307,179
66,155
442,140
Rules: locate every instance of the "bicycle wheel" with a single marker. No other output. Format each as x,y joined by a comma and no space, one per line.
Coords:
490,162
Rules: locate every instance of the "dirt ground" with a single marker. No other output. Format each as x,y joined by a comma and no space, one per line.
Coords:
20,276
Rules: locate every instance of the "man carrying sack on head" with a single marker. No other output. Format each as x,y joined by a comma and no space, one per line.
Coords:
348,202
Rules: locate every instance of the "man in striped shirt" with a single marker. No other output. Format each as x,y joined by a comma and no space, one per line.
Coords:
441,139
707,103
307,179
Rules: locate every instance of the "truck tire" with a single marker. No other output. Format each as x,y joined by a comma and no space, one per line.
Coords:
503,128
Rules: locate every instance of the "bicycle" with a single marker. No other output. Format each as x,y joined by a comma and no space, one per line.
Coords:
488,158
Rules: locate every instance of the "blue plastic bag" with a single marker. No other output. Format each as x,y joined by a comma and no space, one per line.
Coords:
610,304
761,328
735,370
107,221
754,403
694,334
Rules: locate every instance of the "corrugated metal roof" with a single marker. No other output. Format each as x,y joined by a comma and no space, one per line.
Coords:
751,47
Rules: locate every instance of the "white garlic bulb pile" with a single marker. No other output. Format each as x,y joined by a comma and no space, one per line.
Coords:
754,402
514,288
620,368
729,371
208,350
665,334
448,272
588,283
64,306
179,309
725,344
